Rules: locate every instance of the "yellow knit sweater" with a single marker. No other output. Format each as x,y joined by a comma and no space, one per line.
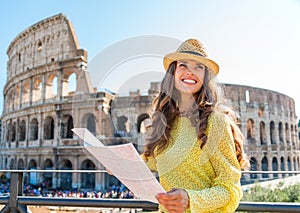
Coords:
211,176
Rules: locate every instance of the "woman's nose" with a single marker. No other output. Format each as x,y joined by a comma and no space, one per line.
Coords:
189,70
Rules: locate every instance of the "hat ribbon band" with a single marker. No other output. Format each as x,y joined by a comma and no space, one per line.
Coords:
192,52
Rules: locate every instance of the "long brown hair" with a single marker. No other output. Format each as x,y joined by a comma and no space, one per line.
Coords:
208,99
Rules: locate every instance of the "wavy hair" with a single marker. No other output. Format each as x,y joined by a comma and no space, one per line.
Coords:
208,99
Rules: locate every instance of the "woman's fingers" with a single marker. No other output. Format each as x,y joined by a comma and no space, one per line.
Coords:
176,200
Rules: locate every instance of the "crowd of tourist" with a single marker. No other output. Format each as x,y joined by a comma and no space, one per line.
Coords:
115,191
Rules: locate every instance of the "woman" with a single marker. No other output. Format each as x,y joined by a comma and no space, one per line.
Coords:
195,144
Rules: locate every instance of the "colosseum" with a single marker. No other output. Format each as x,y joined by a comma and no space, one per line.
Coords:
48,92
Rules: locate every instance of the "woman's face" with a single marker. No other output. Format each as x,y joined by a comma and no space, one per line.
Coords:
189,76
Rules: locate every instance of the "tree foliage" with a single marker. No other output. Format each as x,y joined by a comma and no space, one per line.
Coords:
279,193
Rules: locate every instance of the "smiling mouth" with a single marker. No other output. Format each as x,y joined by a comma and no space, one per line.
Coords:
189,81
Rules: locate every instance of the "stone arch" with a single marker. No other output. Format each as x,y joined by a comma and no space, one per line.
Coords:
34,129
9,132
25,93
48,176
292,135
250,129
264,166
272,133
51,86
122,126
37,89
295,163
295,133
49,128
289,163
12,164
88,179
32,164
262,133
280,132
141,127
21,164
275,166
13,132
287,133
17,96
66,177
69,83
67,126
89,120
253,167
22,130
10,100
48,164
282,166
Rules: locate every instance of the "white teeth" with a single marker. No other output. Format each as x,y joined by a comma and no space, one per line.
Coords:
190,81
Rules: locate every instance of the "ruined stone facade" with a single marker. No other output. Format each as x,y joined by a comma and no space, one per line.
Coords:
40,109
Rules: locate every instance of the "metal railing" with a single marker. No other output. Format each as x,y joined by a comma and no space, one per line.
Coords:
16,202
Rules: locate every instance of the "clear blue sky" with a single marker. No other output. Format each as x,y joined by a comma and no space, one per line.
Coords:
256,42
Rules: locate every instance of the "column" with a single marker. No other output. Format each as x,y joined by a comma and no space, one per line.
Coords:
30,91
43,88
59,84
21,94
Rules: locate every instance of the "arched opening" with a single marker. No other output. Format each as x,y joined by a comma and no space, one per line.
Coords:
287,133
51,86
12,164
34,129
262,133
280,131
22,132
264,167
25,93
32,175
13,132
87,178
289,162
122,126
69,83
21,164
66,177
49,128
272,132
282,167
275,167
47,176
253,167
250,130
37,90
67,126
90,121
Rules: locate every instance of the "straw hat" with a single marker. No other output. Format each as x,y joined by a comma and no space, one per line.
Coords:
194,50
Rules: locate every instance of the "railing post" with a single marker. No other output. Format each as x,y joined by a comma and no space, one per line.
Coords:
13,198
16,189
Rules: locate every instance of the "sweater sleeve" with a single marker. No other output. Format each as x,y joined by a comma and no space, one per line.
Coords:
225,192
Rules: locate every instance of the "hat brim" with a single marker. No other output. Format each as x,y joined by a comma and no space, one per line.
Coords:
212,66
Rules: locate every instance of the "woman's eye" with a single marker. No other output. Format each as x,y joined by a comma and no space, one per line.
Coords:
182,65
200,67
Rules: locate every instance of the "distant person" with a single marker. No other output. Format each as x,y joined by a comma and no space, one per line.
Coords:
194,143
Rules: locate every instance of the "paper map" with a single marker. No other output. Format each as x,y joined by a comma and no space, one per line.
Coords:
125,163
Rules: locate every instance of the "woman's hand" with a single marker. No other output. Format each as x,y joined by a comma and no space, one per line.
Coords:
175,201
